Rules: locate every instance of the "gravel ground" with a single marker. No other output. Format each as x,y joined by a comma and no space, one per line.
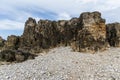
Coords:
64,64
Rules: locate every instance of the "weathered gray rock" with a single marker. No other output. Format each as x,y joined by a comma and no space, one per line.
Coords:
113,34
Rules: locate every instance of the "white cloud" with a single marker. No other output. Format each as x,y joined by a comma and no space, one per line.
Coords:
11,25
20,10
65,9
107,5
69,6
63,16
86,1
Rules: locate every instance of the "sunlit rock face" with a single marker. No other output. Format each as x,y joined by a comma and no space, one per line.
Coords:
92,36
113,34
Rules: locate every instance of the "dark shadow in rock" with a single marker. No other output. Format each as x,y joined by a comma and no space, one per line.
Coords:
15,56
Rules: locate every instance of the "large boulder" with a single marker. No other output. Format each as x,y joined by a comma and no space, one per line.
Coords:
92,35
113,34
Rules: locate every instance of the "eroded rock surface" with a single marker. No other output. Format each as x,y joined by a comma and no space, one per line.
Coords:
92,36
113,34
12,43
48,34
2,42
84,34
15,55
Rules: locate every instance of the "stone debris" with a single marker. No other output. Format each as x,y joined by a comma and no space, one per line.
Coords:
63,64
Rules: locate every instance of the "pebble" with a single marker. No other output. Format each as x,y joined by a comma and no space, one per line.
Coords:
63,64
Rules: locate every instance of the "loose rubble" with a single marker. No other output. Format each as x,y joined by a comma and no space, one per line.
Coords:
64,64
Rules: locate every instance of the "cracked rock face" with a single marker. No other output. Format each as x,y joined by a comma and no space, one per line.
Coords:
113,34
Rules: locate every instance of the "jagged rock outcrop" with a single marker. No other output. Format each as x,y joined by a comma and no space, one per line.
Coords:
113,34
68,30
39,36
2,42
12,43
27,40
92,36
10,50
47,34
88,33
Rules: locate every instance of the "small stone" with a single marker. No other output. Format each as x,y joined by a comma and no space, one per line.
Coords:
111,78
7,77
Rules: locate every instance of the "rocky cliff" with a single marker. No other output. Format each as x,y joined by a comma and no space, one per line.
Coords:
88,33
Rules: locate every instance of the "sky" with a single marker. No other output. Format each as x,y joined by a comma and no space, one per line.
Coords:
14,13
